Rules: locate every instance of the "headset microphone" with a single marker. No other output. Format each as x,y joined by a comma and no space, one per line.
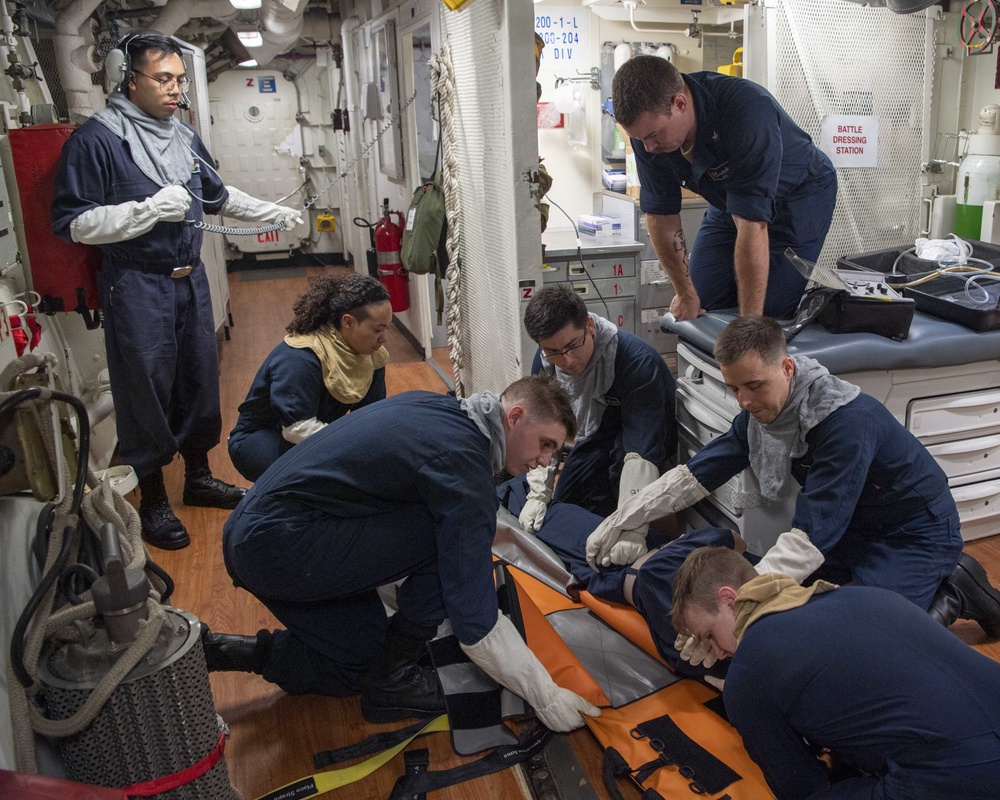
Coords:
184,102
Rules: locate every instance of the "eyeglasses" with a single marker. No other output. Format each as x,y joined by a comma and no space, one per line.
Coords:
550,354
167,85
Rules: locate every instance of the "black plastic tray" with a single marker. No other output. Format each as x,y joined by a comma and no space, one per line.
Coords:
943,297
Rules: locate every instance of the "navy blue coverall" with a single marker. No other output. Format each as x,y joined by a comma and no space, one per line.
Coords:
399,489
159,332
288,388
861,671
752,160
639,418
565,530
873,500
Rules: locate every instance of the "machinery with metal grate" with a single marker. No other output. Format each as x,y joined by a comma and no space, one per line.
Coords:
161,719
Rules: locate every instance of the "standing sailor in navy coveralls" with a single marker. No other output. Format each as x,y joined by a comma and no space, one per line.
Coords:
401,490
131,180
768,186
872,500
623,398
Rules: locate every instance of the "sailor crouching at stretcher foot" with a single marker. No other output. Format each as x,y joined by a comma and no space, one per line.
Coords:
402,489
872,499
919,722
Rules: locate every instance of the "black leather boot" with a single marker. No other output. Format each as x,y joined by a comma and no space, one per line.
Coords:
397,687
946,605
980,601
231,652
202,489
160,526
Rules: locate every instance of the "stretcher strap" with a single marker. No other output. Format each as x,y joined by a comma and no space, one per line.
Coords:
717,705
322,782
614,766
418,781
708,775
375,743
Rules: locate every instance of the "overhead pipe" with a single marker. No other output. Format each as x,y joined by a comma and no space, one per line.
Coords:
74,51
178,13
353,195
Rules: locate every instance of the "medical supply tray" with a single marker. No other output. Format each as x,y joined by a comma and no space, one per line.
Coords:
945,296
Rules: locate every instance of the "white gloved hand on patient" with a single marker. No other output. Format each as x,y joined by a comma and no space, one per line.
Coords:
793,555
540,482
695,651
673,491
503,655
249,209
637,474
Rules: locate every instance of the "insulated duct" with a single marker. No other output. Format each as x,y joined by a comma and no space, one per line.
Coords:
74,50
899,6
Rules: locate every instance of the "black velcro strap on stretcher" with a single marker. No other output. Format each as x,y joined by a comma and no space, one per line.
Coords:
373,744
418,781
708,775
717,704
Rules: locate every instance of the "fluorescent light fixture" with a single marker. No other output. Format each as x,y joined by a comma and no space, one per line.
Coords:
251,38
251,63
245,4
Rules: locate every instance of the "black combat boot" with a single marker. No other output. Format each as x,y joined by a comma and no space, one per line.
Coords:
160,527
967,594
397,687
231,652
201,489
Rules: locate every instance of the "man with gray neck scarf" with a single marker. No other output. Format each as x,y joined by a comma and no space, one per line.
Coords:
131,181
873,508
400,490
623,397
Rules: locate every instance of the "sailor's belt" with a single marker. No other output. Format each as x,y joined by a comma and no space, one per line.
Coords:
161,269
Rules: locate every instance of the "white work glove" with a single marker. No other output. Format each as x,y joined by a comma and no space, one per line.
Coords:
540,482
107,224
503,655
637,474
302,430
695,651
675,490
792,555
250,209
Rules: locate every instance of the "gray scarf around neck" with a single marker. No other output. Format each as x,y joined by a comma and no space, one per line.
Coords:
814,394
161,148
486,411
586,390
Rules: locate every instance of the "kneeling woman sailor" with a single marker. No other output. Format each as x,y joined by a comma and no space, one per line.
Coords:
332,361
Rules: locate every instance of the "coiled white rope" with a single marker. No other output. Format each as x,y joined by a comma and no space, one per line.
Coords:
443,72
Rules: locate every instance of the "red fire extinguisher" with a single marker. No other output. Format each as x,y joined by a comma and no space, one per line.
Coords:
389,253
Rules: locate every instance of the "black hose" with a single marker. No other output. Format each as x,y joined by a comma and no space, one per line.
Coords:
164,576
73,571
43,530
83,449
21,628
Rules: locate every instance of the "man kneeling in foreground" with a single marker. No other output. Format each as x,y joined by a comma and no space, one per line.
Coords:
859,671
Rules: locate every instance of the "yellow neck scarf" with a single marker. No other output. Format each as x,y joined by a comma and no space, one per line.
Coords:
347,374
771,594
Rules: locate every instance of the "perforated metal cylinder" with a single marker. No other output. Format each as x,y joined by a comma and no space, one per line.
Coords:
160,720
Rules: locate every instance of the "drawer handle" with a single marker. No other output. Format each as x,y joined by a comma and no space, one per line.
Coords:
977,491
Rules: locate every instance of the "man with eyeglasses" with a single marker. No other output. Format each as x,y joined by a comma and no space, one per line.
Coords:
623,398
132,180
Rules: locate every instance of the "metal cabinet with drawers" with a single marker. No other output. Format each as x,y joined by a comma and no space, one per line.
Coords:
604,272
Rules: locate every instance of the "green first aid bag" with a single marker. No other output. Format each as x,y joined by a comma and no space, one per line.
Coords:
424,235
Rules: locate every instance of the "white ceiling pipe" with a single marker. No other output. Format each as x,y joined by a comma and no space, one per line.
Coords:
74,51
177,13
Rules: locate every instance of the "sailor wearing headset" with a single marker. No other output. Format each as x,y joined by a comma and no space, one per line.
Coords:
132,180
